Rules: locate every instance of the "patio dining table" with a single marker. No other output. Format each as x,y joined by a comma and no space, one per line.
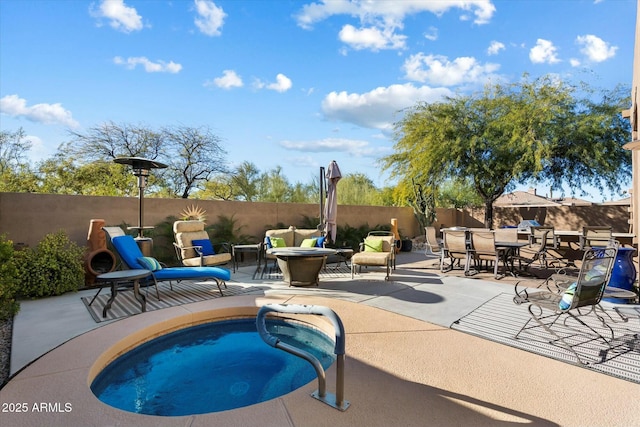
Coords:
509,250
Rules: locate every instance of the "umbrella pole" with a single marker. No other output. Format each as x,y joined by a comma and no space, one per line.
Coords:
322,193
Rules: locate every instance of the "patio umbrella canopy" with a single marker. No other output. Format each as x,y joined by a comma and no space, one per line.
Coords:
333,175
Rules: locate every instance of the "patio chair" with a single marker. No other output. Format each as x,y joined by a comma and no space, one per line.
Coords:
547,307
483,248
434,245
534,251
378,249
193,247
132,258
456,249
594,236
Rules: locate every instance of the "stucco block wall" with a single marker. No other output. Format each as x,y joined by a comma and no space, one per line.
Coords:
26,218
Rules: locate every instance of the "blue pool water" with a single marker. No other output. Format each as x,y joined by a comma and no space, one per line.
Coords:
211,367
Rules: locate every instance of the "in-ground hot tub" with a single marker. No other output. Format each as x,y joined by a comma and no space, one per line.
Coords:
211,367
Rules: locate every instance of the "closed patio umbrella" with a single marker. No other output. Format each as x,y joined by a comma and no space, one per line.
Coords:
333,175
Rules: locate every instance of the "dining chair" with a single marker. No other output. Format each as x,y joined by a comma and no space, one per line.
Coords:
456,248
595,236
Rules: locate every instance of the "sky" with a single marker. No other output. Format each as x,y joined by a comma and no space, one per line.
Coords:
290,84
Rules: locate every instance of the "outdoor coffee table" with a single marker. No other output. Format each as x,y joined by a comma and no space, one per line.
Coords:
301,266
119,278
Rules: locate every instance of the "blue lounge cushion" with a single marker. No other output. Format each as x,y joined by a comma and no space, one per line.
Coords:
199,273
207,247
129,252
150,263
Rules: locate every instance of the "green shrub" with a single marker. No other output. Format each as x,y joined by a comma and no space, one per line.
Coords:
53,268
8,280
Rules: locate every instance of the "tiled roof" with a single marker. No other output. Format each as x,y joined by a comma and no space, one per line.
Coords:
523,198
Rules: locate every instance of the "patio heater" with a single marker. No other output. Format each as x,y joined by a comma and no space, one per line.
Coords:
141,169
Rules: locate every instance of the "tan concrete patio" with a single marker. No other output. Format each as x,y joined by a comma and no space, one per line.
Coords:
404,365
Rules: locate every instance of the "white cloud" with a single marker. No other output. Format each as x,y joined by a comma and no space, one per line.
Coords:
371,38
544,52
379,20
575,62
438,70
49,114
354,147
282,84
149,66
392,13
495,47
229,79
210,17
377,109
432,34
596,49
122,17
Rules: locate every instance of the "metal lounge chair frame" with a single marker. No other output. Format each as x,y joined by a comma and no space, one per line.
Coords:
129,252
544,305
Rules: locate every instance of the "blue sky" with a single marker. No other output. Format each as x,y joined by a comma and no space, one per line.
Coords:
294,84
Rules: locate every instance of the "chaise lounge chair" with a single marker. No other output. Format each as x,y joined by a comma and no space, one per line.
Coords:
132,258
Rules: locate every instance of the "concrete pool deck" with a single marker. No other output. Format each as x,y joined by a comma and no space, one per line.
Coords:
404,365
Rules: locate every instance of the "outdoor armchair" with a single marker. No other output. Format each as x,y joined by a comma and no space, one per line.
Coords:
194,248
571,301
378,249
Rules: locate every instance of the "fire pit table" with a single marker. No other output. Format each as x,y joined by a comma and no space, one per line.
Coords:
301,266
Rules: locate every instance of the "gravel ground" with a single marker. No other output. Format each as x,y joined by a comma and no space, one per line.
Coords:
6,327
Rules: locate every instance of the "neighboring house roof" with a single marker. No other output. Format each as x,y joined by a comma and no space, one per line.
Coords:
528,198
523,198
625,201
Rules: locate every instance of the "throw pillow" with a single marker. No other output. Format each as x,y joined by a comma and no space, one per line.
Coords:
320,242
267,241
308,243
567,297
207,247
372,245
278,242
149,263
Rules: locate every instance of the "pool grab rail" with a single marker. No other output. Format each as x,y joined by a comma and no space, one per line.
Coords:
337,401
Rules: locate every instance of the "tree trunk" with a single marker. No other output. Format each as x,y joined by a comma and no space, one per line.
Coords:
488,214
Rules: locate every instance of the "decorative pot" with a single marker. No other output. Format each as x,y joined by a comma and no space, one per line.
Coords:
623,274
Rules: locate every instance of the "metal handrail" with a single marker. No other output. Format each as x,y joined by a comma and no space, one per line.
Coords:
337,401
